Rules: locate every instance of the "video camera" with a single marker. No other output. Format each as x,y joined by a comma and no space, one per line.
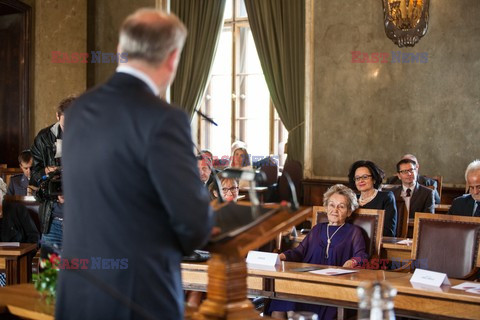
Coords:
50,186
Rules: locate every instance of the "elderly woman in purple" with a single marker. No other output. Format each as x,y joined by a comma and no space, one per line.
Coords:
336,243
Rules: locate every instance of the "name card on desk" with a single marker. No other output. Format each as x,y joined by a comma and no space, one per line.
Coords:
429,278
262,260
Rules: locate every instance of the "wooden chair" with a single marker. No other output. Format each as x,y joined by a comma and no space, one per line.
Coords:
402,219
3,165
369,220
446,243
295,171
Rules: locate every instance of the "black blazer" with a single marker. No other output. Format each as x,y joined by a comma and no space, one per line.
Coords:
421,200
424,181
134,204
462,206
385,201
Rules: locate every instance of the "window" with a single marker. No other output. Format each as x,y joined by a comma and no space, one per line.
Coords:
237,97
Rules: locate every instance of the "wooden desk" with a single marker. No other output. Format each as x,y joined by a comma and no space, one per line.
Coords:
17,262
341,290
391,250
442,208
24,301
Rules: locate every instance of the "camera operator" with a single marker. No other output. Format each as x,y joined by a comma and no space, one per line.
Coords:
47,152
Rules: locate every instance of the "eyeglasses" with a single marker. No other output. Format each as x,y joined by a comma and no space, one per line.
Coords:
232,190
340,206
473,188
362,178
406,171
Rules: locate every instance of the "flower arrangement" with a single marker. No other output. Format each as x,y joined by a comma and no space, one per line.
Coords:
46,280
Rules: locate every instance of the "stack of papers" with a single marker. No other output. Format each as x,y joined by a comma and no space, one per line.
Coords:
471,287
333,271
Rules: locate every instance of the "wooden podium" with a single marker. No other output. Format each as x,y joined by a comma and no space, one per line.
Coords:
227,269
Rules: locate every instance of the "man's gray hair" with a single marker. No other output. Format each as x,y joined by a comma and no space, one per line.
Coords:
473,166
151,35
344,191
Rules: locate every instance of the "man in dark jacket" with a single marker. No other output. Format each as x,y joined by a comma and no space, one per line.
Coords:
18,185
469,204
47,152
134,201
423,180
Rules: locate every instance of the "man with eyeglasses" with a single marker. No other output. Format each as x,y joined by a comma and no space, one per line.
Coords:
469,204
423,180
417,198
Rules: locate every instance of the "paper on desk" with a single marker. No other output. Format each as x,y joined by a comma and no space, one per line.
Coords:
467,285
476,290
407,242
332,271
9,244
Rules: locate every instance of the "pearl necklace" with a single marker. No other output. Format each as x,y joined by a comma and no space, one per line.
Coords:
363,201
329,239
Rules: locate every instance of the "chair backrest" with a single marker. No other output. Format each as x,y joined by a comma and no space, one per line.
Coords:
270,167
447,243
295,171
370,222
402,218
439,180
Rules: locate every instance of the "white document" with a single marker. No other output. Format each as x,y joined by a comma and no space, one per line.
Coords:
429,278
333,271
476,290
9,244
467,286
407,242
262,260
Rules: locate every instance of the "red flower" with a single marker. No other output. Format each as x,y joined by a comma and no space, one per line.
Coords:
54,259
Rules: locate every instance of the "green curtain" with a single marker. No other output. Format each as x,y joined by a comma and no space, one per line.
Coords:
204,21
278,28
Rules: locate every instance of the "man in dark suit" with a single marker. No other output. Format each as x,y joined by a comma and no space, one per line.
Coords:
134,202
423,180
469,204
18,185
417,198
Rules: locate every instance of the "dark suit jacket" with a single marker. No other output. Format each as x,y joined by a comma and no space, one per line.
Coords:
134,204
462,206
424,181
421,200
18,185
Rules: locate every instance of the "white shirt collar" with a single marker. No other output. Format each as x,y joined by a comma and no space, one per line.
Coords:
411,188
139,75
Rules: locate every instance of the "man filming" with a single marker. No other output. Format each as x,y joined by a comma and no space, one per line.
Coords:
47,151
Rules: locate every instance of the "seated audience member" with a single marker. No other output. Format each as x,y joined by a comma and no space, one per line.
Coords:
424,181
364,176
240,159
469,204
417,198
229,189
205,166
336,243
19,183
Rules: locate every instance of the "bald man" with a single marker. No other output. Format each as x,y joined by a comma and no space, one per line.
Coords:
134,201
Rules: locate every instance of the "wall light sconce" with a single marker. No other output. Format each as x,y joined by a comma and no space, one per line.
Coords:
406,21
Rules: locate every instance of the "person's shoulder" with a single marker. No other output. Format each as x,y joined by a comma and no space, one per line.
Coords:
17,176
463,198
424,189
426,181
386,194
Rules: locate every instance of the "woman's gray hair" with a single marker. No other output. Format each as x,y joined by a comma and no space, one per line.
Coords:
344,191
151,35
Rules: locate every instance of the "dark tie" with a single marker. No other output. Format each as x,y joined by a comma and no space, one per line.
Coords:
409,193
477,211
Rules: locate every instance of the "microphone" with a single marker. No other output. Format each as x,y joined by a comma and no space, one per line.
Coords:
206,118
248,175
